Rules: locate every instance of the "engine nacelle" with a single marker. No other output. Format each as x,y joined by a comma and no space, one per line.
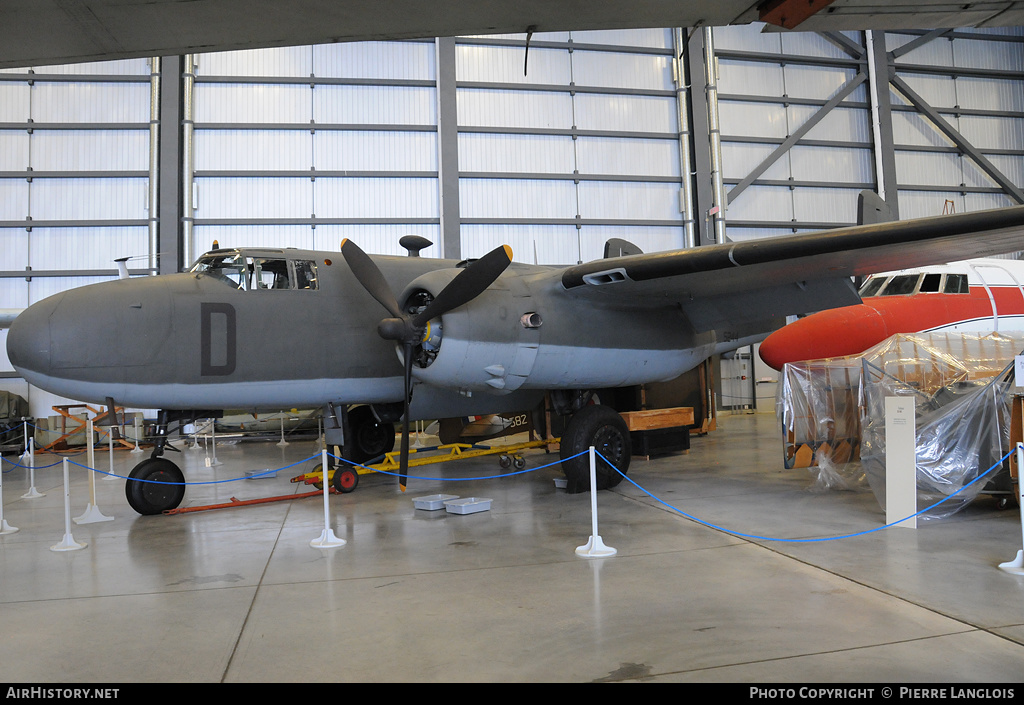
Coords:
531,334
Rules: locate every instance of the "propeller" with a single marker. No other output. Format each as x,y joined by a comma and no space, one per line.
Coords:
406,329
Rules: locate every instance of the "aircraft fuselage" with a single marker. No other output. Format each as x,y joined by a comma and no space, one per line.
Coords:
300,331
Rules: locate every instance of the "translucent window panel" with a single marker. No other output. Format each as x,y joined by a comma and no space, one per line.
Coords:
622,113
13,248
87,247
990,93
634,157
13,150
386,60
372,105
738,118
377,238
90,150
516,153
90,199
515,198
1010,165
532,244
937,91
832,164
762,203
14,102
376,198
274,236
748,37
980,54
649,38
911,128
929,169
621,70
814,44
741,158
375,150
240,103
825,205
91,102
625,200
502,64
277,61
118,67
649,238
256,149
515,109
853,124
934,53
749,78
253,198
821,82
922,204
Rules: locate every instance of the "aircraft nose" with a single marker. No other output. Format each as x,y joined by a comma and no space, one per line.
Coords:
28,340
834,333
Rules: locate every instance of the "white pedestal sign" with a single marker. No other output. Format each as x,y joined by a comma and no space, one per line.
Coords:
900,462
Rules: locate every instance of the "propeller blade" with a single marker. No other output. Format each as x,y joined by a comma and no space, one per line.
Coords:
370,276
403,463
470,283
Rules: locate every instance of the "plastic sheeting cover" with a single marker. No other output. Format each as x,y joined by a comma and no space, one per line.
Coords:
832,412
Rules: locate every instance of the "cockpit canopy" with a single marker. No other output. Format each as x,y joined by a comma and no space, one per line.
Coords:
919,283
254,271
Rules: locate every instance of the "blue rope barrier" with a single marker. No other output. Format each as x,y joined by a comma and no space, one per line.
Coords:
817,540
756,537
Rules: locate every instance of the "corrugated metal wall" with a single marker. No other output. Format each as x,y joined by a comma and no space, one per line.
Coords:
74,178
568,144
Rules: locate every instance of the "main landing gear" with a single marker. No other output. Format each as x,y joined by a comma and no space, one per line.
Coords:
595,425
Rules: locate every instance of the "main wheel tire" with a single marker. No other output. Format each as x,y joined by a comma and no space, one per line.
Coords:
601,427
370,437
154,486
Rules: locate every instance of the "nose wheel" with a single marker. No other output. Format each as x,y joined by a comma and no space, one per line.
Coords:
154,486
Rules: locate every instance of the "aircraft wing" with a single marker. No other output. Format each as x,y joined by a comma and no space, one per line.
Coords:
44,32
743,283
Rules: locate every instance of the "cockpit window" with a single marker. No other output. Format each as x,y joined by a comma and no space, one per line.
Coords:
930,283
231,268
871,286
957,284
258,273
902,284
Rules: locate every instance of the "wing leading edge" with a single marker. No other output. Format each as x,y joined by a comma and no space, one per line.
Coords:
759,280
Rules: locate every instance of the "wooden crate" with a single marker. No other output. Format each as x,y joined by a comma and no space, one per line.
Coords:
658,418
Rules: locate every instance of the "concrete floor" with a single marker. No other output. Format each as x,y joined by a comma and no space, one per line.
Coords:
239,595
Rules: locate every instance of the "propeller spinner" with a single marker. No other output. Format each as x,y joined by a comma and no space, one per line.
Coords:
407,330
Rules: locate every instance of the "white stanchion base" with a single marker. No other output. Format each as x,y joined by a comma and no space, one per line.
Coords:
213,462
33,493
1016,566
6,528
282,444
595,548
327,540
92,515
136,449
68,544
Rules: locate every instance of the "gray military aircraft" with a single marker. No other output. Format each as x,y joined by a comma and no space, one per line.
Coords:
412,338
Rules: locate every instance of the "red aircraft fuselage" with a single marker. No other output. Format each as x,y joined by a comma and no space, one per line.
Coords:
977,295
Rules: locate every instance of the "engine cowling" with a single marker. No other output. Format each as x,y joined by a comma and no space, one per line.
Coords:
487,345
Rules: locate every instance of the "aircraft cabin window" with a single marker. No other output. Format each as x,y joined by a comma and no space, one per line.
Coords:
305,274
902,284
957,284
930,284
269,274
871,286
